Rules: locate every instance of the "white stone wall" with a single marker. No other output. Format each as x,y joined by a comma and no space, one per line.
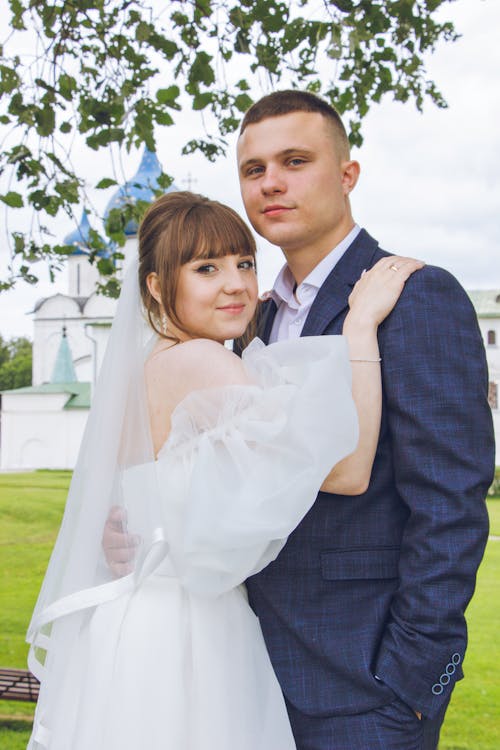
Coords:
82,276
62,310
493,357
50,317
38,433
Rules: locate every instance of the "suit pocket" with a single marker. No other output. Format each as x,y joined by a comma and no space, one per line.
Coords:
363,563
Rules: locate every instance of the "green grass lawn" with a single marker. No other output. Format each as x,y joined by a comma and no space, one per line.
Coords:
31,507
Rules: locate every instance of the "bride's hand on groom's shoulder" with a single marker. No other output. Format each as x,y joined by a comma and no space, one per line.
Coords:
377,291
118,545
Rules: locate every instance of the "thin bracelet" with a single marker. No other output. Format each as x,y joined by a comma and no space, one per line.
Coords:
366,360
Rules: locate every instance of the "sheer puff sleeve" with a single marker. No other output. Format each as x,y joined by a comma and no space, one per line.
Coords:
243,464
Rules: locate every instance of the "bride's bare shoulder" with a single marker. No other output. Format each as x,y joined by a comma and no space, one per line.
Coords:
199,363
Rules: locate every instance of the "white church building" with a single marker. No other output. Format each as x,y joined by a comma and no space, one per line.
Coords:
487,306
42,424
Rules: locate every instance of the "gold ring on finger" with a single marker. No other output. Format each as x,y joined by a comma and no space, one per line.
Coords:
394,267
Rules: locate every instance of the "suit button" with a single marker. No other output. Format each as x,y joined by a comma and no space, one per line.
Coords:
437,689
450,669
444,679
456,659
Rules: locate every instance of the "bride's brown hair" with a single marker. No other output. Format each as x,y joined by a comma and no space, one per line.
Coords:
176,229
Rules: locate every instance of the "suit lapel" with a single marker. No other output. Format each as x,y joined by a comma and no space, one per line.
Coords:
266,318
332,297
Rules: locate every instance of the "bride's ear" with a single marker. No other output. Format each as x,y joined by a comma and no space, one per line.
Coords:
153,282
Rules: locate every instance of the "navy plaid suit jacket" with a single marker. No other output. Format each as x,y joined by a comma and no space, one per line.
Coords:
367,598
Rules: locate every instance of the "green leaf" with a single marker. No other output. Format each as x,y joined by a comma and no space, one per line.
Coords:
42,201
105,266
106,182
179,19
105,137
200,101
14,200
17,15
164,181
243,102
275,17
201,70
67,86
45,120
68,190
63,249
168,48
18,153
110,289
19,242
168,96
143,31
9,79
163,118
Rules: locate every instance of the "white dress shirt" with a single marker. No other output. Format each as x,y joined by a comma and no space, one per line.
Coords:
293,306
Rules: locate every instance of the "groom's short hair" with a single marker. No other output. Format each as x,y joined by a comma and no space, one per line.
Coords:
285,102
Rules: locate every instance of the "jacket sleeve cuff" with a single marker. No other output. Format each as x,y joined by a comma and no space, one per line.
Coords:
424,688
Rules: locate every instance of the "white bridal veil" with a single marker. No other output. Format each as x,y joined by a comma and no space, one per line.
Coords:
117,436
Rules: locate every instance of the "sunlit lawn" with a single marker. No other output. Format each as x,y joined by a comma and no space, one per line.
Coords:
472,721
31,507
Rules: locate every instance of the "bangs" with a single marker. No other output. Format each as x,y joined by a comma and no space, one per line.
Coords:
212,231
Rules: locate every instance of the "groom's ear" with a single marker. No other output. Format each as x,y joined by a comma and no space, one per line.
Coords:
350,174
153,282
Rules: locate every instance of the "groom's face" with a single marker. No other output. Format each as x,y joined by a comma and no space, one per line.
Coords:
294,182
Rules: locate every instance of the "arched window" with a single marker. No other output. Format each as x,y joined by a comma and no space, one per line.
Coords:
493,395
491,338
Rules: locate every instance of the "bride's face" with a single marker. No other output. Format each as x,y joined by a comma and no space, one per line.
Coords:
216,297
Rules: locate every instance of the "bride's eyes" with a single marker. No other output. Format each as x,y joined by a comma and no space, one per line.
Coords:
206,268
247,265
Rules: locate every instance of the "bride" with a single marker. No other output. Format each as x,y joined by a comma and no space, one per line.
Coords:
212,461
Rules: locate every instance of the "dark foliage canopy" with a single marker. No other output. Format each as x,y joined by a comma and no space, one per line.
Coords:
116,71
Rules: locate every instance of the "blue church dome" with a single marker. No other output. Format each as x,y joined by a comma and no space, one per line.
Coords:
80,237
140,187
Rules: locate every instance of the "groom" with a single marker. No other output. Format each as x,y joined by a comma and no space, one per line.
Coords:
363,610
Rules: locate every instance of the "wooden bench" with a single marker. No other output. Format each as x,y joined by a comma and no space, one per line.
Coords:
18,685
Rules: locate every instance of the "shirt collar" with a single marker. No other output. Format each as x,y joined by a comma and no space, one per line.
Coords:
283,288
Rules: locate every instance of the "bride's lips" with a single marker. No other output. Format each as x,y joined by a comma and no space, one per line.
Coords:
276,209
232,309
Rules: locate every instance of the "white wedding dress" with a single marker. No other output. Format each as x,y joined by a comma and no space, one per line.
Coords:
175,659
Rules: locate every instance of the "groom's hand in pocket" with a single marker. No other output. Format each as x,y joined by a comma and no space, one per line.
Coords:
118,545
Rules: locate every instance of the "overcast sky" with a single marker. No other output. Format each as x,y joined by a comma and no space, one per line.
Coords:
430,183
